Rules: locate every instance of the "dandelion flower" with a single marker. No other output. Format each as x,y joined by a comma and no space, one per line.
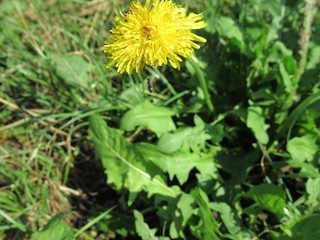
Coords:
153,35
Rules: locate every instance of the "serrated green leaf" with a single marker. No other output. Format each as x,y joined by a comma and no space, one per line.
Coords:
185,207
286,78
232,223
269,197
176,211
125,166
55,229
303,148
278,52
256,122
180,214
173,142
180,164
185,139
157,119
207,229
142,228
73,70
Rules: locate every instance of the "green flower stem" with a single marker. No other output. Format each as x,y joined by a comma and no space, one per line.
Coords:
310,11
202,81
305,33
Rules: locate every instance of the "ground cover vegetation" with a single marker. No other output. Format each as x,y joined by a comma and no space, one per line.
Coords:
225,148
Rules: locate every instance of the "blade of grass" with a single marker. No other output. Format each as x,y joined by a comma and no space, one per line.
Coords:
14,222
94,221
296,113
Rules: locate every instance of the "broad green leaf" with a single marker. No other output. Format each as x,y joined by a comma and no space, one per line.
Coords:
278,52
157,119
303,148
227,216
269,197
132,96
314,57
232,223
288,69
313,190
181,213
173,142
307,169
180,164
73,70
306,228
290,64
238,165
207,229
228,28
124,165
256,122
143,229
120,223
176,212
287,79
211,19
55,229
185,139
272,6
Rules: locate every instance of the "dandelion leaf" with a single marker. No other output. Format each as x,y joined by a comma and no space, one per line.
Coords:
157,119
124,165
143,230
268,196
207,229
56,228
73,70
180,164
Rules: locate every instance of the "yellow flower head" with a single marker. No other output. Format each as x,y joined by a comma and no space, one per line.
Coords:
152,35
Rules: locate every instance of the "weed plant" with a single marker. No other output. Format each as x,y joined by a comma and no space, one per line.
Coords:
226,148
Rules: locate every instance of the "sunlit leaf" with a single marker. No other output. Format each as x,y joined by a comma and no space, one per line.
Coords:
256,122
269,197
207,229
125,166
73,70
55,229
157,119
228,28
180,164
303,148
185,139
143,229
236,230
313,190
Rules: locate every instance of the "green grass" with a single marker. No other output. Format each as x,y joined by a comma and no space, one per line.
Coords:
226,148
